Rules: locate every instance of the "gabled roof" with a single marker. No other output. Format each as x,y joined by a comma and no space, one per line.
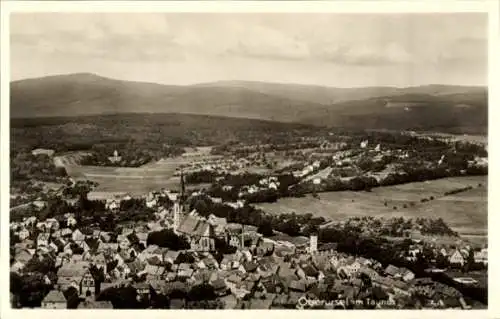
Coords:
43,236
327,246
133,238
250,266
154,261
175,285
297,285
310,270
392,270
55,296
92,243
194,226
154,270
136,266
78,235
172,254
73,269
218,284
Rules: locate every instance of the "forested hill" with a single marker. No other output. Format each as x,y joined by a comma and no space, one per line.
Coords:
435,107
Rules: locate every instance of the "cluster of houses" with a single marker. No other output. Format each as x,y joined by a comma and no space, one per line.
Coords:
262,273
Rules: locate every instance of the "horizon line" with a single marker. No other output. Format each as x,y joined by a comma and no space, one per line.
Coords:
243,81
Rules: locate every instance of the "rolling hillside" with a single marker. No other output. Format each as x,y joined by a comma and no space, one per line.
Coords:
433,107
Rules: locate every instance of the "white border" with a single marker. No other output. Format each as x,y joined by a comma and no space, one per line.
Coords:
490,6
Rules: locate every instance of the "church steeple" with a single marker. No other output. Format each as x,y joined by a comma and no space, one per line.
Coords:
179,204
183,187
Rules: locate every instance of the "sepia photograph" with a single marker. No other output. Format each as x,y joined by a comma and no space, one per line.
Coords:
247,160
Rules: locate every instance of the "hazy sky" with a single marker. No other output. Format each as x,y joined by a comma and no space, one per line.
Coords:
326,49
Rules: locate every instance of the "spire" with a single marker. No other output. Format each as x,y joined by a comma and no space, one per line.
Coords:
183,187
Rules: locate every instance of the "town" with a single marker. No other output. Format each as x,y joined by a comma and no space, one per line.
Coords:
211,248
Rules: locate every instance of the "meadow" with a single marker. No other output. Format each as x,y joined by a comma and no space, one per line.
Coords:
136,181
465,212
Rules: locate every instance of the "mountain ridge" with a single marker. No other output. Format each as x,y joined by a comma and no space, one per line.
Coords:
87,94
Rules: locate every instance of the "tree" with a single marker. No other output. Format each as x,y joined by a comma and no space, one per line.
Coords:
470,262
120,297
266,229
201,292
167,238
31,289
366,280
72,298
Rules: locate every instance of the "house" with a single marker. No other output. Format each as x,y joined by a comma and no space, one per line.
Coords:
235,238
208,263
220,287
77,236
308,272
142,238
298,286
184,270
143,289
407,275
99,261
154,267
71,273
248,267
66,232
85,246
135,267
53,247
170,256
327,248
153,251
121,257
43,239
364,262
67,250
199,232
481,257
54,300
112,204
151,202
71,221
369,272
355,267
228,261
392,271
123,242
17,267
229,301
457,258
52,223
39,204
87,285
43,151
107,248
23,234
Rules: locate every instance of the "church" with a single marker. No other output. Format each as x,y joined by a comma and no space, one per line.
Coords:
199,232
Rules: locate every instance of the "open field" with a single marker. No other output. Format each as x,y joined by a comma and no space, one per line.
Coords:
465,212
140,180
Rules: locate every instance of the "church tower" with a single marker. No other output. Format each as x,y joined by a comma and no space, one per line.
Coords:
178,205
177,215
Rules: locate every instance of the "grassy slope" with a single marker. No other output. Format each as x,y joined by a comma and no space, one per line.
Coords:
466,212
